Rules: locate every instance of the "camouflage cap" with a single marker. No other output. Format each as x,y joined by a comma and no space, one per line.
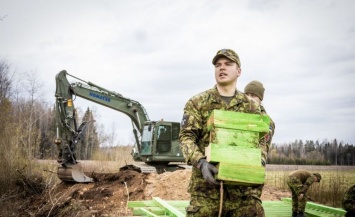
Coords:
319,177
230,54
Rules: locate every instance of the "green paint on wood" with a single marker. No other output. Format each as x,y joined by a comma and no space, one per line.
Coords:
146,212
169,209
238,120
323,208
235,155
234,137
248,175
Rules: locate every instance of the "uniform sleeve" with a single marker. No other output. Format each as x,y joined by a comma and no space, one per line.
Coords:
264,150
191,127
266,143
267,140
307,184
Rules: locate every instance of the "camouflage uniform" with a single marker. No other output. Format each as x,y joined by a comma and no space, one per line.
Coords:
268,137
349,201
257,89
267,141
194,137
299,181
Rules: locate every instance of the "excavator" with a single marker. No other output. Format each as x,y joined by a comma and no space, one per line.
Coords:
156,142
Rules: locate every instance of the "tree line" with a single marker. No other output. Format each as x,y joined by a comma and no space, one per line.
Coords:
313,153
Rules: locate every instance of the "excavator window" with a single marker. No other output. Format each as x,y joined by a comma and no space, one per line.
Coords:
163,139
147,137
175,131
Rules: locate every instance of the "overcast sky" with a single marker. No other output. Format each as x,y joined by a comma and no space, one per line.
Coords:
159,53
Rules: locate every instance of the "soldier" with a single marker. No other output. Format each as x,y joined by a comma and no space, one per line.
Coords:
255,91
299,181
205,191
348,201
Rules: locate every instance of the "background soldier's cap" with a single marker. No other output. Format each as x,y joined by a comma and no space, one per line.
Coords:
256,88
319,177
230,54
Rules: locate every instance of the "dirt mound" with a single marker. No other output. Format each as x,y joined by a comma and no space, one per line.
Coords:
109,194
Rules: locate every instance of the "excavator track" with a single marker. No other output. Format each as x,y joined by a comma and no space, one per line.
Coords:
73,173
158,168
140,167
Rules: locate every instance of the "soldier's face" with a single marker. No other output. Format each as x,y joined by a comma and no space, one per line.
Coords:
226,71
253,97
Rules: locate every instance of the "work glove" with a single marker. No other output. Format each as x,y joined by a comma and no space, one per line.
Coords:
208,171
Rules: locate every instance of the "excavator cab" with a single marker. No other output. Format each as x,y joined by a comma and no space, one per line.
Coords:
160,143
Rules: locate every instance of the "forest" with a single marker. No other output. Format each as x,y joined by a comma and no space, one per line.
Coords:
27,132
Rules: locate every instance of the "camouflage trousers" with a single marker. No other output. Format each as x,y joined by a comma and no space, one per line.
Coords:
295,186
206,207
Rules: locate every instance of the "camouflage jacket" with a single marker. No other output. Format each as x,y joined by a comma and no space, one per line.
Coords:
268,137
194,136
305,177
348,201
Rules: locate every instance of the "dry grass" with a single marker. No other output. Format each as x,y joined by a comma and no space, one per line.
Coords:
104,161
330,191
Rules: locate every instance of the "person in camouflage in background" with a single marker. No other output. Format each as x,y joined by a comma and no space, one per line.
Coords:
348,202
299,182
255,91
205,198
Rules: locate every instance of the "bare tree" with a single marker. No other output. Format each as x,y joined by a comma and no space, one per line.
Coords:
33,87
5,80
7,128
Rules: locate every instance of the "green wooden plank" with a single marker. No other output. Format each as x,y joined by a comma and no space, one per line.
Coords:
144,203
156,210
240,174
238,120
178,203
324,208
151,203
315,209
169,209
148,213
232,154
234,137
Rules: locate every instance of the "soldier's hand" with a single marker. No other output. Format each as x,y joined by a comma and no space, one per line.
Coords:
208,171
301,196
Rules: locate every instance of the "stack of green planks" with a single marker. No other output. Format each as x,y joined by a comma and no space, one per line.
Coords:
159,208
234,146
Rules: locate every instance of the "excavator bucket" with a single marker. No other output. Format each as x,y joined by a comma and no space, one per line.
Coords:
73,173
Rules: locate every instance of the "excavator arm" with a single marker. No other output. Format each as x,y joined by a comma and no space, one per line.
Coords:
68,131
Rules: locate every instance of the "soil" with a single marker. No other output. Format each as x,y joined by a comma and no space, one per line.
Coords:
108,195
